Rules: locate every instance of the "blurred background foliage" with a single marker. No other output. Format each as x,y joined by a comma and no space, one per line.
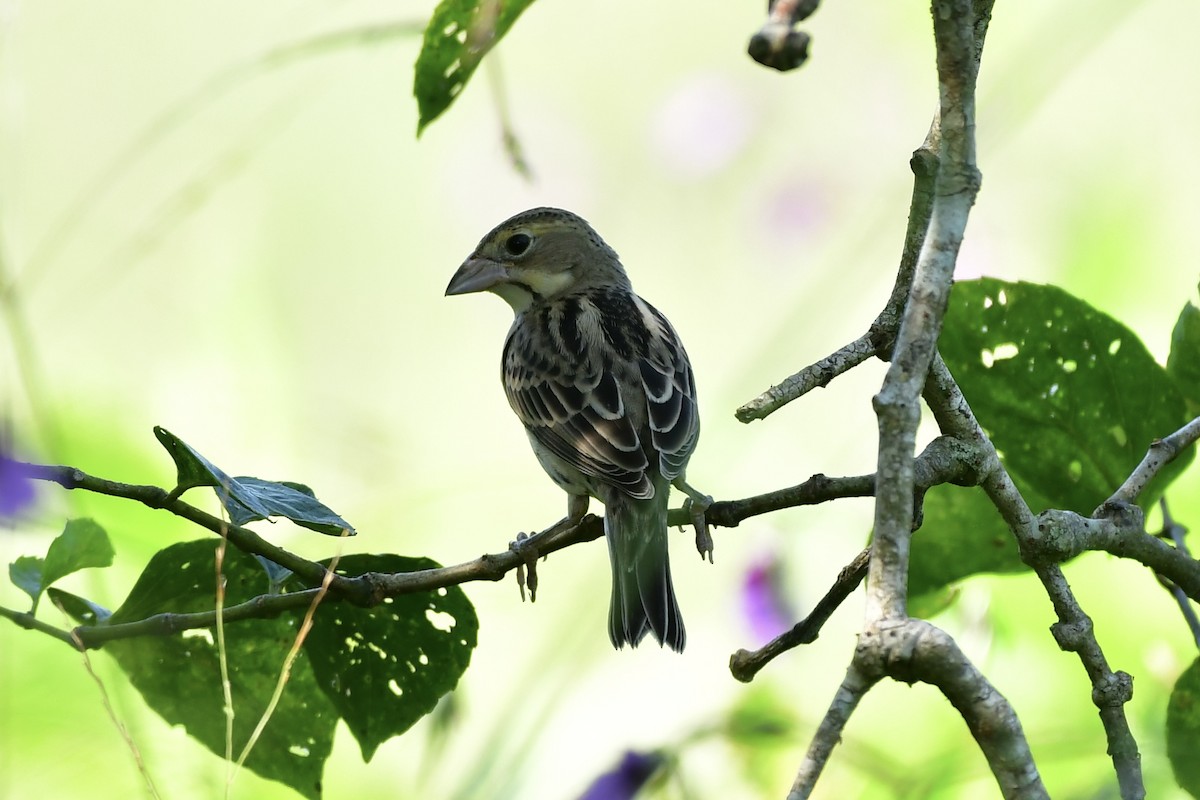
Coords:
208,225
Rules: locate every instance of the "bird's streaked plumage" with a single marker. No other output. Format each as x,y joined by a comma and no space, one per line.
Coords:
605,391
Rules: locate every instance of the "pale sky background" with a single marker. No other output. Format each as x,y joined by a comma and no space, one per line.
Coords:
265,279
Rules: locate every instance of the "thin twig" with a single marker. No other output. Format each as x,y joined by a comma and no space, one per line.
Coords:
745,664
1162,452
1175,532
878,339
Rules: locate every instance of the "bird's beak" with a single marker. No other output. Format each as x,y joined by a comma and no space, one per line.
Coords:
477,275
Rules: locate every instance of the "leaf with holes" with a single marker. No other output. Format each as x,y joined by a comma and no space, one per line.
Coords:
250,499
179,675
386,667
1184,361
459,35
1183,729
1070,397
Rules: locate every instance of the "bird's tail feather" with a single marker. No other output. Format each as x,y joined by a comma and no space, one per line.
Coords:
643,598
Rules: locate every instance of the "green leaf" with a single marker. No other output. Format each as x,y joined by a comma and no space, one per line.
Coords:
26,575
1070,397
192,469
762,732
459,34
293,501
384,668
179,675
1183,364
250,499
1183,729
81,545
80,609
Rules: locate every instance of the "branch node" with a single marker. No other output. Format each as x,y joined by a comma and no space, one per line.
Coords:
1113,690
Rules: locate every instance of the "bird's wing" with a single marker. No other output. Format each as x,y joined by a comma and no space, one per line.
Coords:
670,395
572,405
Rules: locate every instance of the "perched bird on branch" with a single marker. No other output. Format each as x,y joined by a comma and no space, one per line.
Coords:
604,388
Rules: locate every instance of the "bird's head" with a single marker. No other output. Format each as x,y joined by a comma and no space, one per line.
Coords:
538,255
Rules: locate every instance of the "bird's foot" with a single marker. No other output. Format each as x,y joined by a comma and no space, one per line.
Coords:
696,505
525,548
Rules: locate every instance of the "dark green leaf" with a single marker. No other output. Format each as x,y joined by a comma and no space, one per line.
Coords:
81,545
293,501
179,675
962,535
1183,729
459,34
80,609
192,469
249,499
276,574
1070,397
26,575
1184,361
385,667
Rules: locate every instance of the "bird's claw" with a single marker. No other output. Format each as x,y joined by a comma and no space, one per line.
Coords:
696,507
527,552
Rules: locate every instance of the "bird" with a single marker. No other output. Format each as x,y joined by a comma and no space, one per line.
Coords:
604,388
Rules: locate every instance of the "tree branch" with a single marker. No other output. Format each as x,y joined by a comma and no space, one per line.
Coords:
878,339
1074,630
829,733
891,644
745,664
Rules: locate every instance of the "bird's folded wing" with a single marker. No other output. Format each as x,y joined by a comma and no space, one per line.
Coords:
580,419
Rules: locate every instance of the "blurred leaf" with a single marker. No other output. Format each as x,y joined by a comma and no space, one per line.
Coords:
81,545
1183,729
249,499
459,34
179,675
78,608
386,667
928,605
1183,363
1070,397
759,716
761,729
26,575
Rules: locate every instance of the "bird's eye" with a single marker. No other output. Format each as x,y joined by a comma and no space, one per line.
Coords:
518,243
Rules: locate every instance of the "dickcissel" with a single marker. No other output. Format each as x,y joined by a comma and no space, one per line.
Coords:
605,391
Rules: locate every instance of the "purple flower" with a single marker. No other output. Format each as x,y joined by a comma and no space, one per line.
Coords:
763,602
16,487
624,781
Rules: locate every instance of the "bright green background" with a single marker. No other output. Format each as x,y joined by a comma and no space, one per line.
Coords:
266,281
